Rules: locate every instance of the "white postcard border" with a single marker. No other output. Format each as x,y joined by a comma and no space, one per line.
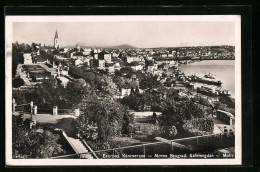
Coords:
9,20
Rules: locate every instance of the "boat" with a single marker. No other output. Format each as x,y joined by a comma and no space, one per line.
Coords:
209,75
212,91
207,91
209,81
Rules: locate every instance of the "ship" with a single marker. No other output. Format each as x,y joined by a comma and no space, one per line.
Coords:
212,91
210,76
204,80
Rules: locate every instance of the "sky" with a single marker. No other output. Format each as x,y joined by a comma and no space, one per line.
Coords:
139,34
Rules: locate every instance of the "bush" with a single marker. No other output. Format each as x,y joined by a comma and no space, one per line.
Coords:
18,82
199,126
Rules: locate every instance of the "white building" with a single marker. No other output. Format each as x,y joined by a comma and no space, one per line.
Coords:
78,62
117,66
150,68
27,58
138,67
64,81
111,69
107,58
101,64
129,59
149,58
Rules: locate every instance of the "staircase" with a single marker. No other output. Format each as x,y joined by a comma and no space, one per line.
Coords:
78,147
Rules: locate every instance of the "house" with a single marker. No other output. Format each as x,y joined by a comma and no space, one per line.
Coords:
150,68
129,59
117,66
124,92
111,69
115,55
149,58
107,58
164,55
138,67
64,81
64,70
27,58
96,56
101,64
78,62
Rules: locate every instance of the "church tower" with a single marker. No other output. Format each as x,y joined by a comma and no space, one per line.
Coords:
56,40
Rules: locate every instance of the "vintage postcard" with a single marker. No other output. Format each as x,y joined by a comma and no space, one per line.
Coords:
123,90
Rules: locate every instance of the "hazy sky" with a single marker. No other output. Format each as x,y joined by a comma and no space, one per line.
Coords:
138,34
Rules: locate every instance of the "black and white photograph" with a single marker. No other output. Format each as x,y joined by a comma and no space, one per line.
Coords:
123,90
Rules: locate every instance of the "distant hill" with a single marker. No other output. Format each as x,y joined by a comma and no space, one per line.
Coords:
123,46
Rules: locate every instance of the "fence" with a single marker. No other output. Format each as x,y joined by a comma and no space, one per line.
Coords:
33,109
198,144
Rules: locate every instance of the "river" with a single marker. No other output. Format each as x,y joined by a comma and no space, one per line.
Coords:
222,70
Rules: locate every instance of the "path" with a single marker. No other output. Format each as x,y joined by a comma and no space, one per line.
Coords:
78,147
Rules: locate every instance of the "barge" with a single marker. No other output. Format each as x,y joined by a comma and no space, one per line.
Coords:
194,78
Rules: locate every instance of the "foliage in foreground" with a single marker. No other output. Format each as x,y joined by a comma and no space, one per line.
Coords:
199,126
110,117
28,143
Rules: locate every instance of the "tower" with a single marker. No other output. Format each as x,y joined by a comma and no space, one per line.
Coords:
56,40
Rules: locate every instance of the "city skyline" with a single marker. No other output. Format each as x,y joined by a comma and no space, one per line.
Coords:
137,34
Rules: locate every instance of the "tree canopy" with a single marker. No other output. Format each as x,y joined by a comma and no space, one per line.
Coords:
28,143
110,116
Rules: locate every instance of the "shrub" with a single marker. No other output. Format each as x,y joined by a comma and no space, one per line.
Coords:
199,126
18,82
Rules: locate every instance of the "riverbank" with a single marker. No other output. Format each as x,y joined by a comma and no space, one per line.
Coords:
223,70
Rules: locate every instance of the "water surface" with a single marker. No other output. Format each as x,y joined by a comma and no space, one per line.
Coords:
222,69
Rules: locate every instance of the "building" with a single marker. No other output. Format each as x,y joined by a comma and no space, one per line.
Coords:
101,64
117,66
107,58
64,81
111,69
150,68
78,62
115,55
56,40
137,67
129,59
27,58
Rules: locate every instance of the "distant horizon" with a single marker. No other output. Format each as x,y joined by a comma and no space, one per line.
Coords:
112,46
138,34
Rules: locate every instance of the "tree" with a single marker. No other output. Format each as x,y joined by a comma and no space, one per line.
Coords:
119,81
199,126
18,82
175,113
118,73
137,91
131,101
127,71
28,143
149,82
110,116
75,91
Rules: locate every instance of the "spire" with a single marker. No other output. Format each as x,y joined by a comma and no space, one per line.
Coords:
56,34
